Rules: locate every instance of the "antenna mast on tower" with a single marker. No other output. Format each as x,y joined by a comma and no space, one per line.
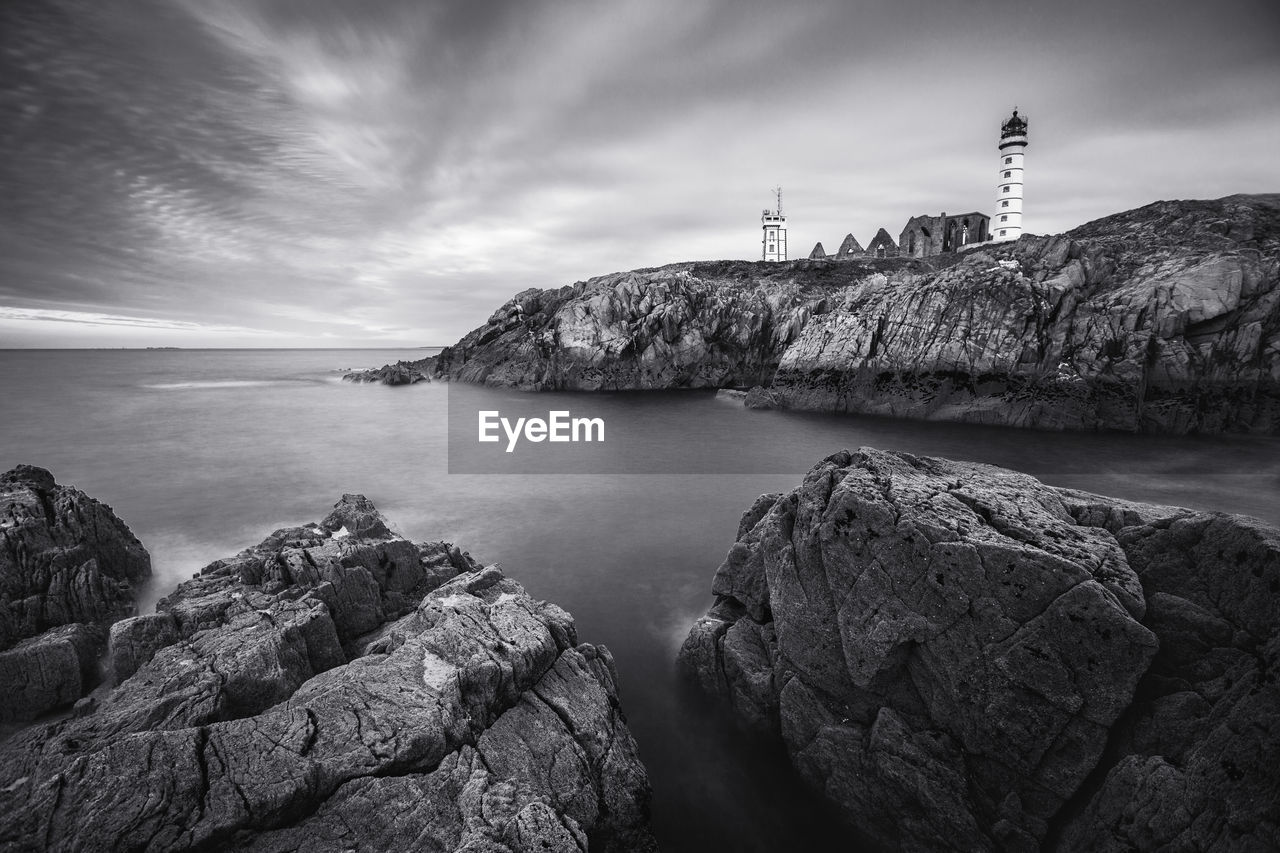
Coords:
773,244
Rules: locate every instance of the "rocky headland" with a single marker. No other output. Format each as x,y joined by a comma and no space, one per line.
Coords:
336,687
959,657
1163,319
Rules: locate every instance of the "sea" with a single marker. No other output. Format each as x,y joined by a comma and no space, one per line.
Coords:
205,452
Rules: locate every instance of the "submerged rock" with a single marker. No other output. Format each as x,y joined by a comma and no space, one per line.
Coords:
761,398
338,687
68,569
1162,319
947,649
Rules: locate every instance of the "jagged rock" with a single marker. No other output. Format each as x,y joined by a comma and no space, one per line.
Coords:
400,373
948,650
939,645
363,573
48,671
64,557
68,569
135,640
675,327
337,687
1162,319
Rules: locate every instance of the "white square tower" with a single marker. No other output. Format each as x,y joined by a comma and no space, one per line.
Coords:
773,245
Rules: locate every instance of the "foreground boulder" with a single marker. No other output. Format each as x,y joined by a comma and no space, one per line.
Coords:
68,569
338,687
962,658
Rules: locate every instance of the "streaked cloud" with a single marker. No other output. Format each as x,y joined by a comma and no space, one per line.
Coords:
389,172
92,319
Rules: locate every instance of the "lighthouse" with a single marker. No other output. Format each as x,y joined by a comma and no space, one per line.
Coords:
1007,222
773,245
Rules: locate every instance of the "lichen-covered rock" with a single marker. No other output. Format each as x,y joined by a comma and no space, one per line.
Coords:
949,650
1163,319
338,687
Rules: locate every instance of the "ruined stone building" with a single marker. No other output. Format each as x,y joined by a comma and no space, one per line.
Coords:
924,236
881,246
932,235
850,246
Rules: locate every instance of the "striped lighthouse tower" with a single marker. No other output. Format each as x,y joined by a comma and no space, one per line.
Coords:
1007,223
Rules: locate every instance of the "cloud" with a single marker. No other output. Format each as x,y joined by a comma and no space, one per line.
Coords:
88,318
389,172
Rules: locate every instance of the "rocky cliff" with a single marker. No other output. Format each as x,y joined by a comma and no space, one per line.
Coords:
68,569
338,687
680,326
962,658
1165,318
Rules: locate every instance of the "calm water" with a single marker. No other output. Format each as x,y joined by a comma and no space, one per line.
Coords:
205,452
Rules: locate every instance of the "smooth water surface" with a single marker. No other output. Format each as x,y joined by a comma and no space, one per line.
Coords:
203,453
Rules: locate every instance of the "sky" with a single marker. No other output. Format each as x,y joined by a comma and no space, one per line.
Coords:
334,173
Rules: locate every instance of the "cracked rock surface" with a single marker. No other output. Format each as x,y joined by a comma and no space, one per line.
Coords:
1162,319
962,658
68,569
339,688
